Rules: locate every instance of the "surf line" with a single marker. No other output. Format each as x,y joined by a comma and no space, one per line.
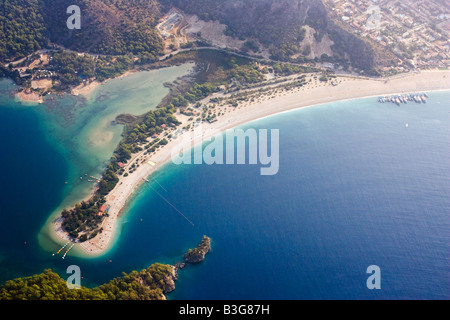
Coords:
168,202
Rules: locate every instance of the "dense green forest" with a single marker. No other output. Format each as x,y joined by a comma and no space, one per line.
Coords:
149,284
73,68
8,73
136,137
110,27
22,28
82,222
198,254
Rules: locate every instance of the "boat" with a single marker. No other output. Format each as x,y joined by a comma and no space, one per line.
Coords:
399,99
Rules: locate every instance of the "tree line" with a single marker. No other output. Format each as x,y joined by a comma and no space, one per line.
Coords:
148,284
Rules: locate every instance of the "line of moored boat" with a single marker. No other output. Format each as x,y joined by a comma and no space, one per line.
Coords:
91,178
404,98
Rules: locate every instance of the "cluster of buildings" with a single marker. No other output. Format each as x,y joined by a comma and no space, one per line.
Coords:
416,31
43,74
35,69
169,23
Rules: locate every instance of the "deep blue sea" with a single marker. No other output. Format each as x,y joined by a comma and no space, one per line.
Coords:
356,187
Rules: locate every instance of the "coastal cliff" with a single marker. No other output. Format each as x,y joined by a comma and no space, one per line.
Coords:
197,255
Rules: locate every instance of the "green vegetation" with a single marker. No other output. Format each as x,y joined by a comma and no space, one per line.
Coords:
223,70
72,68
136,137
198,254
46,286
22,28
110,27
323,78
249,19
82,222
250,45
149,284
14,75
109,67
83,218
194,94
285,69
249,73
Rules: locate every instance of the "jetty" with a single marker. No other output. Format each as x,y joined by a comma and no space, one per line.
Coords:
59,251
67,251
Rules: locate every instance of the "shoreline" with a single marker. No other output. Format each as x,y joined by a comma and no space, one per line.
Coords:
86,89
295,99
29,98
81,90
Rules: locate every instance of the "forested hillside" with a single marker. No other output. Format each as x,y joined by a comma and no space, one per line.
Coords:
112,27
22,28
120,27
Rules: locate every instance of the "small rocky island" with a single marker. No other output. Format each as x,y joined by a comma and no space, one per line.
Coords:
197,255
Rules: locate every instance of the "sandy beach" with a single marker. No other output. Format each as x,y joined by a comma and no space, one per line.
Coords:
86,89
315,93
29,97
